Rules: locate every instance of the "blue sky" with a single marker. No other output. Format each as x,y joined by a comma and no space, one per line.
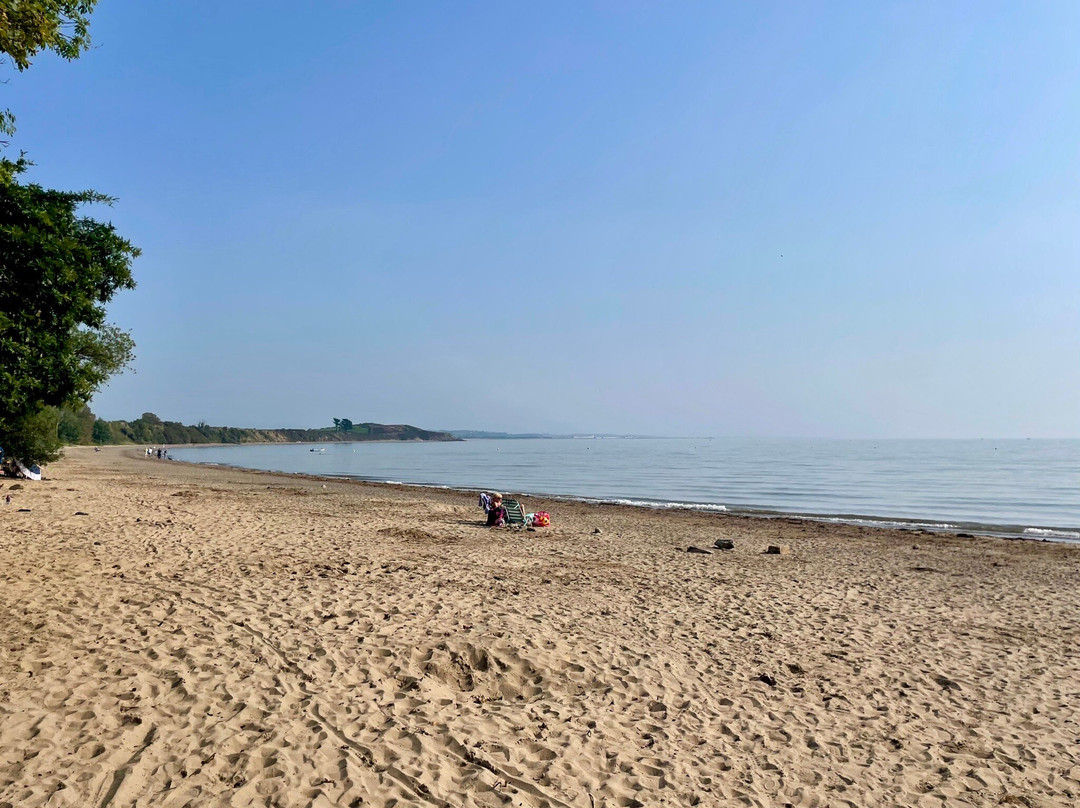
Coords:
836,219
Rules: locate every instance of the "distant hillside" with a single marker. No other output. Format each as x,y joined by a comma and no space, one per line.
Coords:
85,427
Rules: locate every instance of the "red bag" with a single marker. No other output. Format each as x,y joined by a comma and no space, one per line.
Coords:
541,519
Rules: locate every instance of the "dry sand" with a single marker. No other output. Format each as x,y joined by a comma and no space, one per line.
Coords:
203,637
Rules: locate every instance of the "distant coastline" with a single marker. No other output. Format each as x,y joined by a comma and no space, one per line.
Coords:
149,429
380,433
478,434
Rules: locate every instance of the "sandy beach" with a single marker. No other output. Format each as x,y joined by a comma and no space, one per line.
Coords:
174,635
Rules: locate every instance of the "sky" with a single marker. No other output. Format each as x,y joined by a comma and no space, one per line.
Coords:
753,219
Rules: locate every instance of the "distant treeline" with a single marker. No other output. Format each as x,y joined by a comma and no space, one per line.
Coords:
83,427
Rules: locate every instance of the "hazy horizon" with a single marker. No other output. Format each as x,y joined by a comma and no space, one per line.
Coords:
712,220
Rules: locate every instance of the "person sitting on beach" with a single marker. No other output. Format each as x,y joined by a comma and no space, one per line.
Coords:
496,515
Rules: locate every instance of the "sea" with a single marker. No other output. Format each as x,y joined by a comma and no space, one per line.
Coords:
1015,488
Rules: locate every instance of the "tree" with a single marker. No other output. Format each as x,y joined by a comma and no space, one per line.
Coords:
146,429
28,27
346,425
68,431
76,425
86,424
102,433
32,438
57,271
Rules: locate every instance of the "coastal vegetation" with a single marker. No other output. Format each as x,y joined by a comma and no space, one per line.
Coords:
58,270
58,267
28,27
74,427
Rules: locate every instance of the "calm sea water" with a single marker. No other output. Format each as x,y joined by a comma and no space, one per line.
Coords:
1028,488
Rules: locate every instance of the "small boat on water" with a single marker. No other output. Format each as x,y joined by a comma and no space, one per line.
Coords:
319,451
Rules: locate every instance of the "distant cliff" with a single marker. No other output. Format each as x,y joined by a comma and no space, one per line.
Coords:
358,432
149,429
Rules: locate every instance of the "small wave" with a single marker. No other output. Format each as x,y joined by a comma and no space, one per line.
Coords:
1050,533
643,503
895,523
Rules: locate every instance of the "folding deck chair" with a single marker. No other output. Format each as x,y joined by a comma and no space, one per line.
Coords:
515,516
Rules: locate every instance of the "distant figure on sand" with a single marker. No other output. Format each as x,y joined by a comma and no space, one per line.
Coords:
496,515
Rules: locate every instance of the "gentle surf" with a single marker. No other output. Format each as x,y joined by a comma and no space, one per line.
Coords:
1017,488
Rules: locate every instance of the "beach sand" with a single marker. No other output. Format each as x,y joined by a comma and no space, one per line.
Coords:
177,635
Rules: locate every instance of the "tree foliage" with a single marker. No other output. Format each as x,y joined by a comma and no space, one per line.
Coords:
149,429
58,269
67,431
101,434
33,436
28,27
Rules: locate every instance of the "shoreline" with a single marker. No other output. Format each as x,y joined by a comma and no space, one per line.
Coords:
913,525
236,637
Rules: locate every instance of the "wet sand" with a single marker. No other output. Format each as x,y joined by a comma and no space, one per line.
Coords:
177,635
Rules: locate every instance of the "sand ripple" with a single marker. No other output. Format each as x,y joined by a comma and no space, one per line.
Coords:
214,637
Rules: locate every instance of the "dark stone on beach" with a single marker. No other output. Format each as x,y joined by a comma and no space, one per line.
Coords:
778,549
81,513
795,667
946,683
724,544
24,510
914,547
597,531
965,536
769,680
693,549
16,487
